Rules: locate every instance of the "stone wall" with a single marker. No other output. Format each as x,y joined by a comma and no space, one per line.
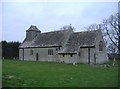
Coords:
87,55
92,56
20,54
42,54
111,56
83,55
68,58
101,56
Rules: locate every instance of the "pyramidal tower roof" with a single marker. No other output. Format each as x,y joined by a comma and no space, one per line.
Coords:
33,28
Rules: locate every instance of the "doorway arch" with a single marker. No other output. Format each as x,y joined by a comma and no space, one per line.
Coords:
37,56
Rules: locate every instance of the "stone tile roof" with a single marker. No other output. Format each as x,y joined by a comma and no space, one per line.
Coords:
80,39
33,28
58,38
55,38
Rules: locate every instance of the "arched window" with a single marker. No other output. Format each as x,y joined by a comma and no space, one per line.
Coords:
100,46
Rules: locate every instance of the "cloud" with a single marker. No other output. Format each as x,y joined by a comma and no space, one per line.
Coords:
48,16
60,0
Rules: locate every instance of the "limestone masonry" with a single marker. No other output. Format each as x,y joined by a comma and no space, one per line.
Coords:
64,46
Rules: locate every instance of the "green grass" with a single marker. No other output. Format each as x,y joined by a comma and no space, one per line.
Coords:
45,74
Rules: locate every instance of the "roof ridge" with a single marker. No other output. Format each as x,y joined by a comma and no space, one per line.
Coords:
55,31
86,31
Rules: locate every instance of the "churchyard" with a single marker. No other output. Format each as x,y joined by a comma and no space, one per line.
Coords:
16,73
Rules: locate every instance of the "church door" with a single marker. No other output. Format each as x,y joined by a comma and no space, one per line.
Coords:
37,56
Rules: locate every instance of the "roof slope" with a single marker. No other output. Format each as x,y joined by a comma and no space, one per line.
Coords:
59,38
33,28
80,39
55,38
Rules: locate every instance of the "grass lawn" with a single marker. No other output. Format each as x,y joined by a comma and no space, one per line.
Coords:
45,74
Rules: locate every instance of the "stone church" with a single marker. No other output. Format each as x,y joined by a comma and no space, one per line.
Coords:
64,46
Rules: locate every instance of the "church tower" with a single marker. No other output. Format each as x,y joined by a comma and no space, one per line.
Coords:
32,32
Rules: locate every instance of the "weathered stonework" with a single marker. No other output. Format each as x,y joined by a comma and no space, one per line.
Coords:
64,46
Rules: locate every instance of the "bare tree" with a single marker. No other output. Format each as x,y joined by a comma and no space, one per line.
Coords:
112,29
91,27
111,48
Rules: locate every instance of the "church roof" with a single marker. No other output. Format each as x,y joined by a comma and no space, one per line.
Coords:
55,38
33,28
70,43
80,39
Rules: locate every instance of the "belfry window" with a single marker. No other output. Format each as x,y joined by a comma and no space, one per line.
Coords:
100,46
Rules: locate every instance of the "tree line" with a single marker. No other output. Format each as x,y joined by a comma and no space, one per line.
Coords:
10,50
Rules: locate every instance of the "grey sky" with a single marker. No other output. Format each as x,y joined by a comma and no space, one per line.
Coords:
50,16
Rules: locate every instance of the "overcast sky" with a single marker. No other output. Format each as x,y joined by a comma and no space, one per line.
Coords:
49,16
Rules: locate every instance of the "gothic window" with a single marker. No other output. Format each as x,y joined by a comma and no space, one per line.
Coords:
50,51
31,52
100,46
